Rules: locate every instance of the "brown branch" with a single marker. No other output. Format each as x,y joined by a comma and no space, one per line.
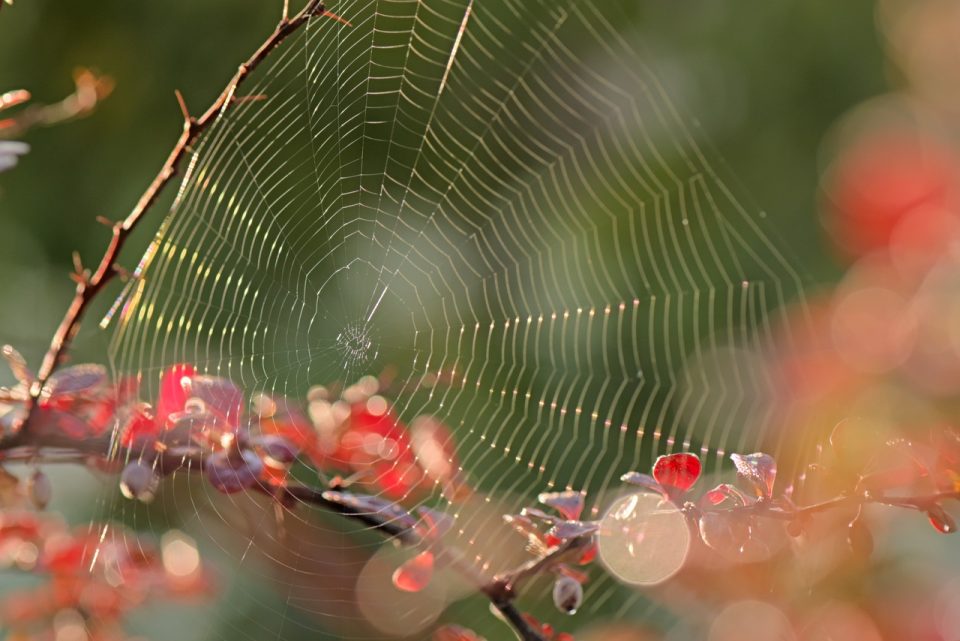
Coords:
503,590
788,513
90,285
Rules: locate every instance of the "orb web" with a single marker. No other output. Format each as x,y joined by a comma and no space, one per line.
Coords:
498,203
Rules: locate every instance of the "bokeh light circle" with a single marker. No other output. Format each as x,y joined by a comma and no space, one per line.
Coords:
643,540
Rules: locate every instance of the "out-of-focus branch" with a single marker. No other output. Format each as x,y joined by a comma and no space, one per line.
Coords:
90,283
90,90
390,520
913,502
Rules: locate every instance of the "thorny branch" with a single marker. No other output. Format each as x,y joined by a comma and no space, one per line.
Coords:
89,284
24,446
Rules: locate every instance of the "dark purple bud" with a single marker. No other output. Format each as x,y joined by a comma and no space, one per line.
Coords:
139,481
229,472
39,489
278,452
567,594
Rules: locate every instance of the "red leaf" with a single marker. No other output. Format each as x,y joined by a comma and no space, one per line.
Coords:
722,492
677,472
571,529
174,392
220,395
415,574
569,504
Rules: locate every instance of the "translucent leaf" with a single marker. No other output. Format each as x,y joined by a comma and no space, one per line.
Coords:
539,514
384,510
414,575
898,463
644,481
569,504
677,472
758,469
724,532
566,530
523,525
721,493
79,380
18,365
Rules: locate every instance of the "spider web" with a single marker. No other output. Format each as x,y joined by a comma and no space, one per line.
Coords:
497,196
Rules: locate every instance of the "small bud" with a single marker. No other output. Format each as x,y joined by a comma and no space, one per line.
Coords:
139,481
941,520
567,594
228,474
39,489
278,452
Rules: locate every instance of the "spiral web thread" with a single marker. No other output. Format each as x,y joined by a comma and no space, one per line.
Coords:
499,195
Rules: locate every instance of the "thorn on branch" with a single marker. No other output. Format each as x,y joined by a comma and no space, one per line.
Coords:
336,18
121,272
80,274
187,118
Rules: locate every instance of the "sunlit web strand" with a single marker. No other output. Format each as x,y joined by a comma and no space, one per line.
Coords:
551,179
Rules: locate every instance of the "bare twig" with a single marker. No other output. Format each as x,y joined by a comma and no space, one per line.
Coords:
90,90
790,513
89,286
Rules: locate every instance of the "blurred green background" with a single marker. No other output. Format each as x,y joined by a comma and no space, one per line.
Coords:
765,80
